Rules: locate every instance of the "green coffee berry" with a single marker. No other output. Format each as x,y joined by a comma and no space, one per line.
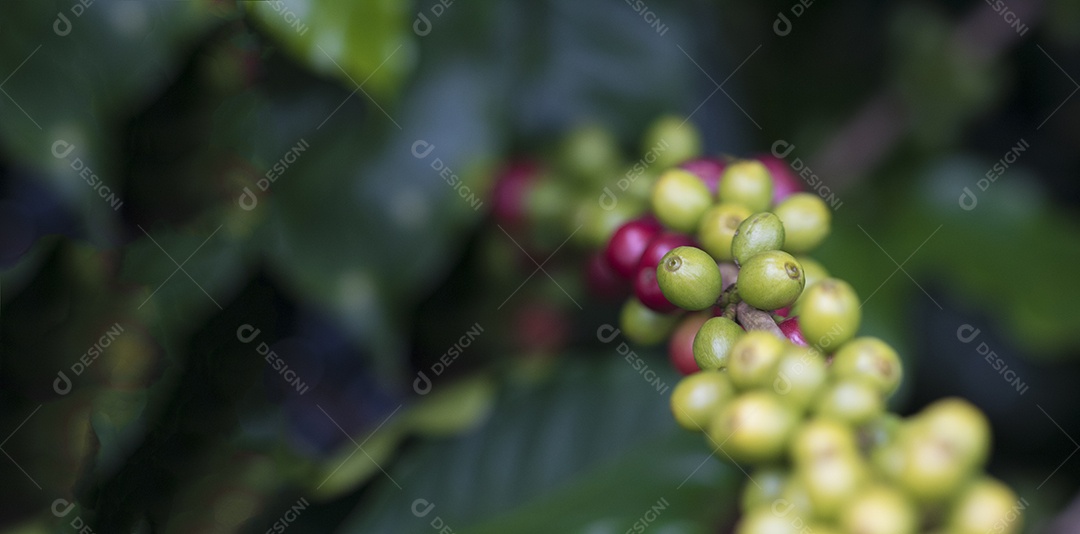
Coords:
800,375
672,140
644,326
821,439
717,229
832,482
698,397
760,232
985,505
713,342
854,401
771,280
746,182
689,278
880,510
829,313
753,428
679,200
806,221
872,359
753,360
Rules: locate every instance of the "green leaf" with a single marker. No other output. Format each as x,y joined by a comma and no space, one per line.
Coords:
360,43
593,450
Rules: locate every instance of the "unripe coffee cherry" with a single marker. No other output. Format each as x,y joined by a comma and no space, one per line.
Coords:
753,428
590,153
771,280
746,182
679,199
806,221
697,398
689,278
800,375
854,401
832,482
672,140
760,232
829,313
985,505
871,359
644,326
628,243
820,439
717,229
753,359
881,510
713,342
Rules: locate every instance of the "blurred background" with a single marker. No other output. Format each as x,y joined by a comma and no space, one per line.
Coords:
251,280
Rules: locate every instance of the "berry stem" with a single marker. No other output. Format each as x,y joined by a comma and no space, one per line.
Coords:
752,318
729,297
729,312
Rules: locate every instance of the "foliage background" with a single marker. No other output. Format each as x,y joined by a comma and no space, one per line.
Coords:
361,266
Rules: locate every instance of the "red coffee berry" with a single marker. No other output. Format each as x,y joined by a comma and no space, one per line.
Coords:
624,249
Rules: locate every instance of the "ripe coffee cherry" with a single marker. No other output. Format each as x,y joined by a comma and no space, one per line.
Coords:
717,229
698,397
681,344
679,199
771,280
707,169
647,290
985,505
753,359
785,182
790,328
806,221
746,182
768,486
819,440
672,140
855,401
508,196
871,359
713,342
800,374
689,278
644,326
603,281
760,232
628,243
832,482
753,428
881,510
660,245
829,313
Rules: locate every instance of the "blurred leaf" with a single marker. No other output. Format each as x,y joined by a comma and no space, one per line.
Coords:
369,41
592,450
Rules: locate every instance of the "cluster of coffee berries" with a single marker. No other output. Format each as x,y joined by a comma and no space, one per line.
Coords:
713,252
777,378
